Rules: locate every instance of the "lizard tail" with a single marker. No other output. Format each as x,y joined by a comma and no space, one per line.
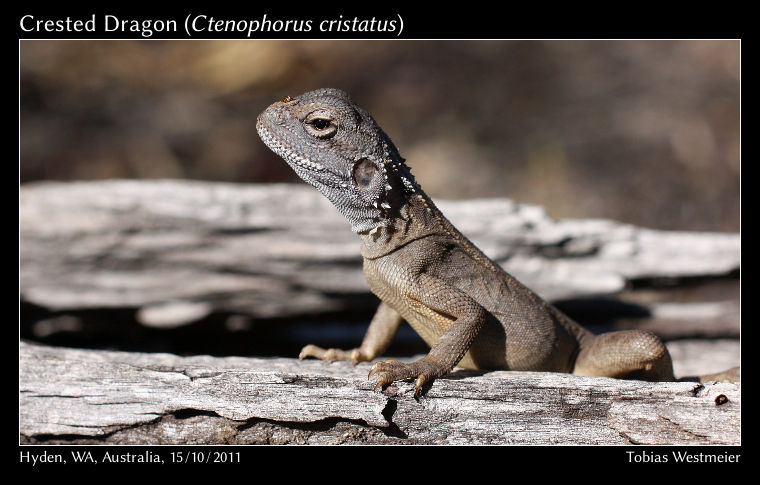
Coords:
632,354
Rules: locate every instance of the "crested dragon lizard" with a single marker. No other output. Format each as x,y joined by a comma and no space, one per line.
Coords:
471,312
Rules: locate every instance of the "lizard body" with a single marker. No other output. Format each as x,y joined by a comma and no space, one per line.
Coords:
469,310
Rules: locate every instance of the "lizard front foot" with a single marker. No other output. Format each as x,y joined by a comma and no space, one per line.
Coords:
424,370
328,355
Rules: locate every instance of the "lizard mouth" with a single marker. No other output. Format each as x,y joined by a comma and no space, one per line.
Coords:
285,152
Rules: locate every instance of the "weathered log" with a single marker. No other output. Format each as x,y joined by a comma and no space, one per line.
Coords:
87,396
181,250
178,251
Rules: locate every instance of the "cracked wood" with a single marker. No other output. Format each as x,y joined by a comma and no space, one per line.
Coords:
281,250
86,396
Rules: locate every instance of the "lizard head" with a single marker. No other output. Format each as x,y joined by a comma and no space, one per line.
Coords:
339,149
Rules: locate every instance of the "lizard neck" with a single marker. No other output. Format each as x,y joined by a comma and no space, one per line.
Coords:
417,218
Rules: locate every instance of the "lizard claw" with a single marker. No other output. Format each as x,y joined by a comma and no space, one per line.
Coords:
389,371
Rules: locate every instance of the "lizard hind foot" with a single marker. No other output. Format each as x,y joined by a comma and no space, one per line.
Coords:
330,355
424,370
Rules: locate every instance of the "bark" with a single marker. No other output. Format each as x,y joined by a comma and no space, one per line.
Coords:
175,252
179,250
87,396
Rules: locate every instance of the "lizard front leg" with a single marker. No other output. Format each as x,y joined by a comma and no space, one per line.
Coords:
380,333
445,307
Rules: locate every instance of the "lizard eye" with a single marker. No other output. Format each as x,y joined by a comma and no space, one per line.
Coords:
320,125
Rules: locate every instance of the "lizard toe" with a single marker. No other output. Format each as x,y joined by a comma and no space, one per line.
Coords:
423,370
311,351
330,355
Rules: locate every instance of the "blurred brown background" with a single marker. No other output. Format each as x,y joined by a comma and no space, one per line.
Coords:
645,132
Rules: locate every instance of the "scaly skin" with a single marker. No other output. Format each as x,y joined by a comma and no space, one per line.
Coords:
466,307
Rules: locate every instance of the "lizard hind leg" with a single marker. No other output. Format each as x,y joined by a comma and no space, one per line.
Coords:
637,354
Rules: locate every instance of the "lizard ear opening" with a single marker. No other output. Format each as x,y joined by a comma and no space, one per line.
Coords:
364,172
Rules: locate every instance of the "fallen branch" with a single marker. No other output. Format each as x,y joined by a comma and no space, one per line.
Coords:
86,396
181,250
